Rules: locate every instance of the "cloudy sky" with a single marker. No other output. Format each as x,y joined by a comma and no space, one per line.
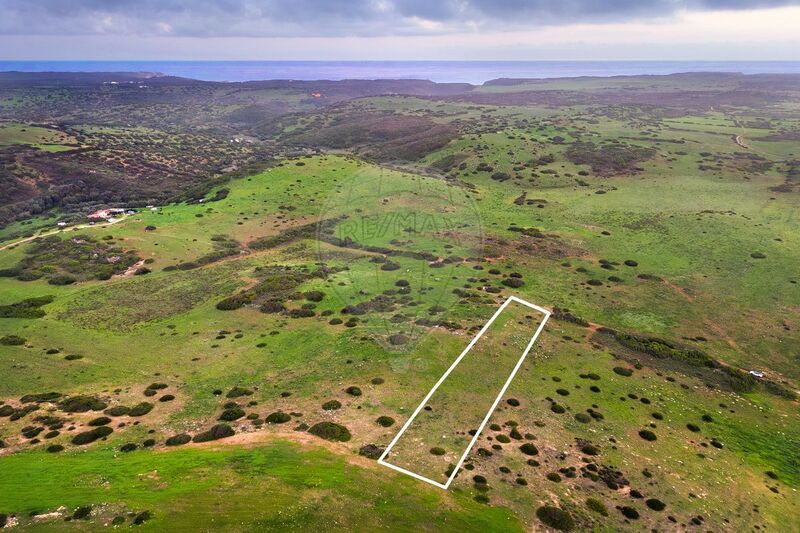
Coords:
400,29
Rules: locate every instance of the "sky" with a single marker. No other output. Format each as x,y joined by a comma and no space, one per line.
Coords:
399,29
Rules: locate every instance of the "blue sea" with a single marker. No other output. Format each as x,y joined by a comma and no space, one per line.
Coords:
475,72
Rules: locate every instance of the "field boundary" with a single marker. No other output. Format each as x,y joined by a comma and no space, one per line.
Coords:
446,485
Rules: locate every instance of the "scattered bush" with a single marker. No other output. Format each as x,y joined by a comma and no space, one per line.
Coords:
178,440
129,447
140,409
597,506
629,512
332,405
219,431
622,371
55,448
436,450
99,421
330,431
229,415
556,518
647,435
82,513
655,504
142,517
236,392
81,404
529,449
87,437
278,417
12,340
385,421
353,391
371,451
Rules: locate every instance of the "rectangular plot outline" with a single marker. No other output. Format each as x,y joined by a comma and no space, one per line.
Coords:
446,485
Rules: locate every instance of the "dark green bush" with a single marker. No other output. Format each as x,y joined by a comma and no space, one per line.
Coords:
330,431
55,448
353,391
92,435
622,371
332,405
529,449
82,513
12,340
647,435
128,447
436,450
237,392
140,409
278,417
81,404
142,517
229,415
655,504
556,518
385,421
597,506
99,421
178,440
219,431
583,418
629,512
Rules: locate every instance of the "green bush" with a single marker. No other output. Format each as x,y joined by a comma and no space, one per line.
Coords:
597,506
556,518
99,421
55,448
278,417
219,431
62,279
140,409
237,392
92,435
629,512
81,404
436,450
12,340
142,517
178,440
332,405
82,513
353,391
129,447
330,431
647,435
622,371
229,415
385,421
655,504
529,449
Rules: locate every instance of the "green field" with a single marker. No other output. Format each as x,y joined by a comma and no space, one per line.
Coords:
291,306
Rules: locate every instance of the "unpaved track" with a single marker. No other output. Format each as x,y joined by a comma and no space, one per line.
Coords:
60,230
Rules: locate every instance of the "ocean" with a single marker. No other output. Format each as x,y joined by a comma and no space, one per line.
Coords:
475,72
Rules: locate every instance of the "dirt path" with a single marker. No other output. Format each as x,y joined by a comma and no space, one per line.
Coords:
255,438
59,230
740,141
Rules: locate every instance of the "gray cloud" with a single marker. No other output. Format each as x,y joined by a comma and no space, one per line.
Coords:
303,18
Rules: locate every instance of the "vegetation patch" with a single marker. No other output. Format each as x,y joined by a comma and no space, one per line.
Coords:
330,431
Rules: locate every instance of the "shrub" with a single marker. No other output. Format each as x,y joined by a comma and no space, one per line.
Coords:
81,404
597,506
622,371
236,392
558,409
514,283
647,435
629,512
385,421
99,421
92,435
353,391
693,427
128,447
590,449
583,418
505,439
167,398
330,431
377,381
556,518
12,340
216,432
314,296
82,513
55,448
513,402
141,518
229,415
140,409
178,440
371,451
157,386
655,504
72,357
332,405
529,449
436,450
278,417
62,279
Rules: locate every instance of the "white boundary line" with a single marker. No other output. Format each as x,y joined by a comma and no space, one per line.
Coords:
382,459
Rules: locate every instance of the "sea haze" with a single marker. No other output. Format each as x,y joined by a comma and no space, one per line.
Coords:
475,72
